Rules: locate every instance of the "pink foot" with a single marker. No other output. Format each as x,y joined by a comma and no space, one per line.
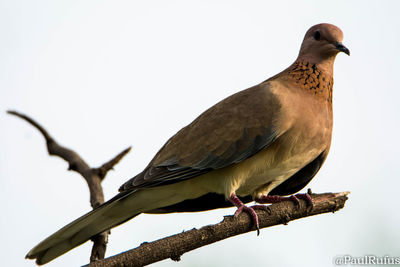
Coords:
243,208
293,198
307,198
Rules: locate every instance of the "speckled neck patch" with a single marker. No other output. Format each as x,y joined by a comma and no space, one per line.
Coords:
310,78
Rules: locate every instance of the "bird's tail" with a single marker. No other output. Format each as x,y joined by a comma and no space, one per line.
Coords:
106,216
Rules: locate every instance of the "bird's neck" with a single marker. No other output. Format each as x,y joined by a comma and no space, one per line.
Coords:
313,78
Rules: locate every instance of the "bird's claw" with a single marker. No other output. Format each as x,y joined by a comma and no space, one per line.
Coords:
294,198
262,207
243,208
307,198
252,213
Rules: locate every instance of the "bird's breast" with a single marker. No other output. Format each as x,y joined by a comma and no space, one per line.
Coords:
306,127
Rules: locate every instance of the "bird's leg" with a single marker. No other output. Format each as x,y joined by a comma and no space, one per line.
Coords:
242,207
264,199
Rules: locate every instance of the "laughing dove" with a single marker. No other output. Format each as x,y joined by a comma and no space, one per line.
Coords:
259,144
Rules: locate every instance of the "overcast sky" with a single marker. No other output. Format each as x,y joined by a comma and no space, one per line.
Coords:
104,75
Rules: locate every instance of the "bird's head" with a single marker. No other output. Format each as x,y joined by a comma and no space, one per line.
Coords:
322,42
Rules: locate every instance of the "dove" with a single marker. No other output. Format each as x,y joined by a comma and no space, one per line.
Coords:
262,144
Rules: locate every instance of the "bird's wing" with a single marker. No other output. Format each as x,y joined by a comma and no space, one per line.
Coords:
229,132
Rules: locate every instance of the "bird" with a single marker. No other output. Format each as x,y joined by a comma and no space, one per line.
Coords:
261,144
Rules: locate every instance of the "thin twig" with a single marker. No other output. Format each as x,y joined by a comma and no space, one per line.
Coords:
93,177
109,165
176,245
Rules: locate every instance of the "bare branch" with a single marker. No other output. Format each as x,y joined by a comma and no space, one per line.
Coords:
102,171
175,246
32,122
76,163
93,177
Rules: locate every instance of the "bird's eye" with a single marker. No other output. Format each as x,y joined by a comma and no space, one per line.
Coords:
317,35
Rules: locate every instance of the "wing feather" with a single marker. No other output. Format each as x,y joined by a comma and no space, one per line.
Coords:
229,132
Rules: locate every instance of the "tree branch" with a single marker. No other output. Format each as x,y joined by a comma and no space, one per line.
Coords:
109,165
176,245
93,177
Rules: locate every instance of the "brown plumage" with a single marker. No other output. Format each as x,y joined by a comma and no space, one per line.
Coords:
270,139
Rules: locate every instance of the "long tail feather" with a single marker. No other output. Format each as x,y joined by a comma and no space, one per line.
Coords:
106,216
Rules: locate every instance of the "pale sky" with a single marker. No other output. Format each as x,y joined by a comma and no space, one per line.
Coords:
104,75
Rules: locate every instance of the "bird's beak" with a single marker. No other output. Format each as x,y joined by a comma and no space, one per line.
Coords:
340,47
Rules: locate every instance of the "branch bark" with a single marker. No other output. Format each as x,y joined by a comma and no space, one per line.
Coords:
93,177
175,246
